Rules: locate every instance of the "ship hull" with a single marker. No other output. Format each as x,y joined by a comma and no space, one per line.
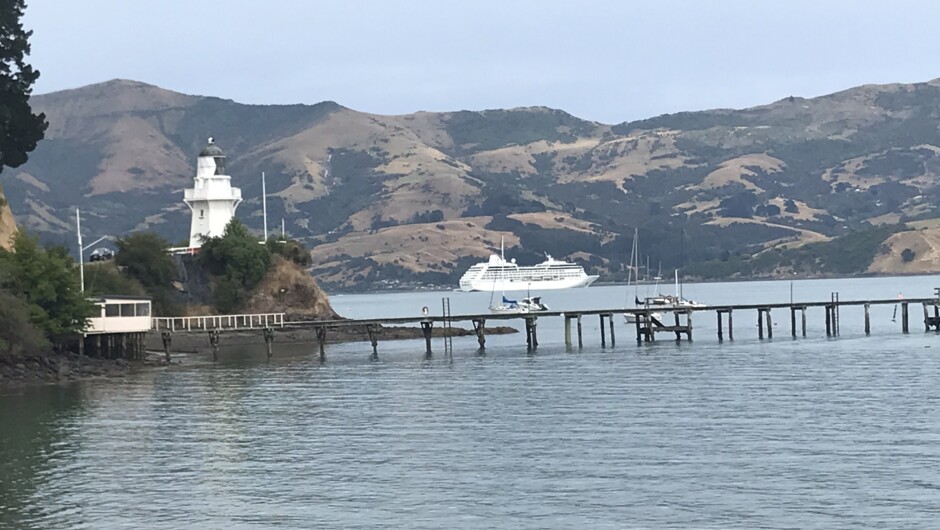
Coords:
522,285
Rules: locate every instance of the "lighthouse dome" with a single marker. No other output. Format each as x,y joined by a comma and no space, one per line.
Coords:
211,149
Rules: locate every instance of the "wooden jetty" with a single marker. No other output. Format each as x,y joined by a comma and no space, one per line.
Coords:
677,321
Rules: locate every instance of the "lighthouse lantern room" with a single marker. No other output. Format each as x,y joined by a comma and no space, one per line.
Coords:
212,198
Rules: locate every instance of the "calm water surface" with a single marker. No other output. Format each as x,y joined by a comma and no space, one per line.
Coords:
841,433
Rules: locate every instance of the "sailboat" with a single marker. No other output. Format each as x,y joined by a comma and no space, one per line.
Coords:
633,273
529,304
675,301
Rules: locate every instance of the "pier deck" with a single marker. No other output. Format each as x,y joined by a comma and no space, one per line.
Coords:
646,326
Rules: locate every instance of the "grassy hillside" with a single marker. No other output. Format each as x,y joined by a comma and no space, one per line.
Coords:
415,198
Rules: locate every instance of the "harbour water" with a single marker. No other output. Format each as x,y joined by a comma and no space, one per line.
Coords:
815,432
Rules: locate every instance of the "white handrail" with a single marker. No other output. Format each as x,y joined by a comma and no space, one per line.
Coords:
233,322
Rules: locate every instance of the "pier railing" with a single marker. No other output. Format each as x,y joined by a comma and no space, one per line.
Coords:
219,322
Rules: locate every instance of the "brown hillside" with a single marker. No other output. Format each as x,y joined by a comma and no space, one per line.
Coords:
368,192
288,288
925,244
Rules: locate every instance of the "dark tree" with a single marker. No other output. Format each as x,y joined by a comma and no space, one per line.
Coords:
144,257
738,205
907,255
20,129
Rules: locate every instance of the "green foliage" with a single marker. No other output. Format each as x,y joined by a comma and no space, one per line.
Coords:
18,335
144,257
739,205
292,250
103,278
907,255
46,280
20,129
240,262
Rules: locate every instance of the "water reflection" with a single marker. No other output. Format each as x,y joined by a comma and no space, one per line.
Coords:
35,427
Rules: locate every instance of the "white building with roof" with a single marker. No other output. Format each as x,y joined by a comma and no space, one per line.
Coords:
212,199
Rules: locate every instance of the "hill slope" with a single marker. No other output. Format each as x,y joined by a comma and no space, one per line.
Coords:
416,198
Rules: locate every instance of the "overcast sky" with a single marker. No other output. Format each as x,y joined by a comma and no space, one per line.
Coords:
605,60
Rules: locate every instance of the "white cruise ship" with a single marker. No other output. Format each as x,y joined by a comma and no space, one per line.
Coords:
497,274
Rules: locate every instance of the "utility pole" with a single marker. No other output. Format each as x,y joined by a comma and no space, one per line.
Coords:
81,258
264,206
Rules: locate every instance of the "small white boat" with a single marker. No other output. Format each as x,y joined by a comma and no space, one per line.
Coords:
675,301
526,305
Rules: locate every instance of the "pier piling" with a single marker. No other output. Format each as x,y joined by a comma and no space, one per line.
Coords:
770,325
904,318
730,325
867,319
167,340
639,332
479,326
792,322
803,317
426,331
269,341
321,341
720,331
567,332
610,322
760,324
580,342
373,332
828,320
214,342
531,338
603,333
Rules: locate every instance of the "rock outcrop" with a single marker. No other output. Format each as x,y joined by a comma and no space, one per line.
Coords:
288,288
7,223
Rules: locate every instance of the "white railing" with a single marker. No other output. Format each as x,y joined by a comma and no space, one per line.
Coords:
210,322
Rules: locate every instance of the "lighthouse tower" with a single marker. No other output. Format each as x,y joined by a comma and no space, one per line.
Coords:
212,198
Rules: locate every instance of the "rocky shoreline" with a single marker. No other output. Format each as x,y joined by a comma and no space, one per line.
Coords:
66,367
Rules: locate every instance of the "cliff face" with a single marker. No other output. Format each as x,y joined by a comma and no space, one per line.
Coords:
7,223
288,288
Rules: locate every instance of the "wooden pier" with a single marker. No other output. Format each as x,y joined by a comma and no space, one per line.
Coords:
675,321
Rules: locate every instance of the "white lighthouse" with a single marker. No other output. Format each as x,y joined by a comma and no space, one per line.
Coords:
212,198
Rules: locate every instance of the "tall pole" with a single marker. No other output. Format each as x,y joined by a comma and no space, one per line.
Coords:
264,206
81,258
283,233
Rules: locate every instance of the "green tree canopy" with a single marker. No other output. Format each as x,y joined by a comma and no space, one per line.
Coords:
46,280
20,129
144,257
239,260
17,334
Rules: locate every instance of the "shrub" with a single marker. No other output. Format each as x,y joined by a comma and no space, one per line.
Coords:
46,282
240,262
143,256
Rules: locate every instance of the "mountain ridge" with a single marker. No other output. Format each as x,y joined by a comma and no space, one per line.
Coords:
736,181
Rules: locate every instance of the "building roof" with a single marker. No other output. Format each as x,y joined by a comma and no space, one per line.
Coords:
105,297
